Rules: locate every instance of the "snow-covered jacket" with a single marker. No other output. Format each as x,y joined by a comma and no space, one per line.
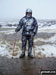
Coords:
29,25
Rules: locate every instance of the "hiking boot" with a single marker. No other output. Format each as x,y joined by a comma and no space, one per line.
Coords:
30,56
22,56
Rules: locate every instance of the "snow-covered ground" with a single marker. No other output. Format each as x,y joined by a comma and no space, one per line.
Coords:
7,50
4,23
45,50
48,49
48,29
8,31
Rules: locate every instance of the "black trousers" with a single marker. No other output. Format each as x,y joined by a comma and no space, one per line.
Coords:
30,39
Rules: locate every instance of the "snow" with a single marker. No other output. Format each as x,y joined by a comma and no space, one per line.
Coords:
48,29
47,50
5,51
8,22
51,39
8,26
8,32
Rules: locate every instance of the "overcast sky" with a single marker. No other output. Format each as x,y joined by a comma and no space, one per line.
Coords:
42,9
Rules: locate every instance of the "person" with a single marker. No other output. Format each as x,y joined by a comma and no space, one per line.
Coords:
29,29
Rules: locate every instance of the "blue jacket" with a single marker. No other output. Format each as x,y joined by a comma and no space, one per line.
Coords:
29,25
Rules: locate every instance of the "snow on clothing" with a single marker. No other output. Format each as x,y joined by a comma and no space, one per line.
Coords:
30,27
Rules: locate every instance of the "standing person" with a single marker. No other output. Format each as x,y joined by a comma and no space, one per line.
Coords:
30,27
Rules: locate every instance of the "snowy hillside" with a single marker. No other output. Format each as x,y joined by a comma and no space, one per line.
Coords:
44,42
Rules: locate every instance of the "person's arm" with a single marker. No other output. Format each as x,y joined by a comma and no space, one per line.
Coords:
19,25
35,26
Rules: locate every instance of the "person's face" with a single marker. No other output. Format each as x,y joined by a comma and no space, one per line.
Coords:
28,14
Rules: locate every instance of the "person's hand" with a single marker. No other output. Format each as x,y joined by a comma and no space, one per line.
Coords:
16,30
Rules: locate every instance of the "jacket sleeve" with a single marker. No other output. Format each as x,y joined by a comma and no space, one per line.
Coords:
35,26
19,25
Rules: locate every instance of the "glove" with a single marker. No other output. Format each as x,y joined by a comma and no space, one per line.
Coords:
16,30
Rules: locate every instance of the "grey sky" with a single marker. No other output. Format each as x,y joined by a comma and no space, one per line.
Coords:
42,9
